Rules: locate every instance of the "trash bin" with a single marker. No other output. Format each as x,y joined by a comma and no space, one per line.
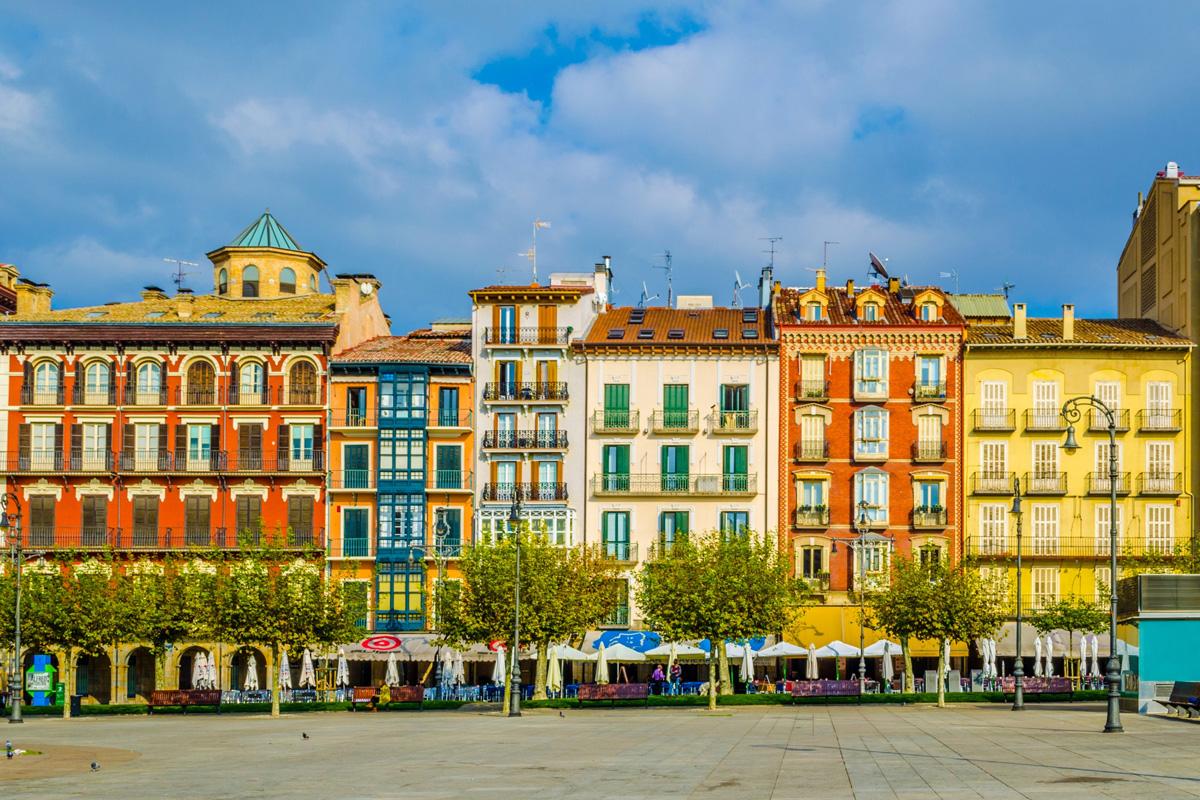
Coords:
76,705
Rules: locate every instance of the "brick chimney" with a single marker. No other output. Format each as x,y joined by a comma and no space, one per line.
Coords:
184,302
1068,332
894,286
153,293
33,298
820,280
850,289
1019,329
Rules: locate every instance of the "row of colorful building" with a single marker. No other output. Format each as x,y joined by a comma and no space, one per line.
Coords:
280,406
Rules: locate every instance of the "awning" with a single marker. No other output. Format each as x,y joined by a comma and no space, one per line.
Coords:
1064,643
413,647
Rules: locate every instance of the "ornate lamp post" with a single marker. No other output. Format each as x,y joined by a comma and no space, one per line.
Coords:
514,520
1072,412
10,528
1019,666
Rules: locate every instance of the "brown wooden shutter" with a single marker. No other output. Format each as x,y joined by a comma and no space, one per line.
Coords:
130,383
180,443
58,442
283,447
76,445
108,440
233,382
129,440
162,382
23,438
27,384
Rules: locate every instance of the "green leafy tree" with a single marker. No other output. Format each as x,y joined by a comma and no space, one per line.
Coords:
718,587
92,616
1070,614
902,608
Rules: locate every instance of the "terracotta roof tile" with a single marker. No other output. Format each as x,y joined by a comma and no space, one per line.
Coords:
206,309
897,309
694,327
421,346
1047,332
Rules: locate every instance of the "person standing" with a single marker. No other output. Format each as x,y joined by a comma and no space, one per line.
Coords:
676,677
659,678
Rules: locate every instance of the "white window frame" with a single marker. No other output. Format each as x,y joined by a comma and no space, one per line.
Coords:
872,485
993,528
1160,528
871,432
1045,529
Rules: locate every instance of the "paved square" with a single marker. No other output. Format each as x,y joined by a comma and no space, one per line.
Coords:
751,752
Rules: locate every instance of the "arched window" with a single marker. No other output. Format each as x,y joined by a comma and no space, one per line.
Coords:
251,380
250,281
223,281
97,379
287,281
149,382
201,384
46,382
302,383
312,282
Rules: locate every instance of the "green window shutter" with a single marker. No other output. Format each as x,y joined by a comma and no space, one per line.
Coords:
675,405
734,459
616,405
674,468
616,467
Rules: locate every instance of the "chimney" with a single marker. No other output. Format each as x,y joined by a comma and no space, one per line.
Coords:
184,302
1068,321
765,281
153,293
1019,329
821,280
33,298
1172,170
600,280
894,286
850,288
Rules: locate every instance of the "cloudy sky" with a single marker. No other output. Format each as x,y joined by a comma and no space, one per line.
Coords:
420,142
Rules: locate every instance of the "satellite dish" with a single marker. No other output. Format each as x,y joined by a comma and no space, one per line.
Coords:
877,266
366,289
738,285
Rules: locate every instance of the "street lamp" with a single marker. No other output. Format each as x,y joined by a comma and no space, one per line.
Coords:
1072,412
10,527
1019,666
862,527
441,529
514,521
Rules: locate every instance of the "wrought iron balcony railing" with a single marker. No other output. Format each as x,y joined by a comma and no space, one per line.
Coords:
530,335
616,421
526,391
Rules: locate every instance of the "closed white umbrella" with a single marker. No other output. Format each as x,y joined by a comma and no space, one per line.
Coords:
343,668
1095,670
671,656
993,646
1037,656
199,671
1049,656
946,656
747,670
1083,654
460,671
810,667
500,669
886,669
446,667
554,674
601,664
392,676
251,682
285,672
308,676
211,671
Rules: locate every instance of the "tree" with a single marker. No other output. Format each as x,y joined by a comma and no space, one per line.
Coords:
718,587
92,617
1070,615
902,608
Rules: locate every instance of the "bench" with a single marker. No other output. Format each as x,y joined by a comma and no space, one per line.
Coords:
613,692
184,698
1036,685
1184,700
363,695
824,688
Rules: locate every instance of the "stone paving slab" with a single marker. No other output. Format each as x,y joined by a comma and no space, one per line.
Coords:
965,751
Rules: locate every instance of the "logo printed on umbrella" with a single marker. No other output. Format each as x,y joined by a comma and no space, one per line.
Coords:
496,645
382,643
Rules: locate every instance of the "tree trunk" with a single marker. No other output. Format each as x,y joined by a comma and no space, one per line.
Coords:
910,681
713,680
273,679
539,675
504,697
723,661
941,676
68,681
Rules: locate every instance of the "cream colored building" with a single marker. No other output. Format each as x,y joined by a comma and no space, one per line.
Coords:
681,435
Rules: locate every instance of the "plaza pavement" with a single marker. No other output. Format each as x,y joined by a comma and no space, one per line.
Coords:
965,751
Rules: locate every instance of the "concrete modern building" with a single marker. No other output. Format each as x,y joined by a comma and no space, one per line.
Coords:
681,428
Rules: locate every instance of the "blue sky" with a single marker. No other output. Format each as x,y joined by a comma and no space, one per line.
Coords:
1003,141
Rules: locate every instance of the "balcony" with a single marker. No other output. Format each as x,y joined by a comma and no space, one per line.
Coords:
525,392
217,461
811,517
870,389
1160,420
674,422
994,419
929,391
1045,483
144,396
352,480
99,396
616,422
195,396
527,492
617,618
992,483
154,538
929,452
1064,547
1160,483
353,419
352,548
455,420
450,480
265,396
525,440
658,485
526,336
42,397
621,552
734,422
871,451
811,450
812,391
929,518
1099,422
1099,483
77,462
399,620
1043,419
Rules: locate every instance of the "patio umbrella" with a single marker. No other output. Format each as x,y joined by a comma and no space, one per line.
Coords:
601,665
568,653
343,668
1037,656
747,671
1083,654
875,649
251,683
499,670
211,670
460,671
837,649
392,676
886,669
946,656
1095,670
621,654
993,645
199,671
285,672
679,649
810,667
781,650
554,674
308,676
1049,655
446,667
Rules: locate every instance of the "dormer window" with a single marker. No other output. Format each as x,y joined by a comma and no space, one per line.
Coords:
870,312
929,312
250,281
815,312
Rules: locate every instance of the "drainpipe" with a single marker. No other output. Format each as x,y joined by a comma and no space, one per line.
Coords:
586,438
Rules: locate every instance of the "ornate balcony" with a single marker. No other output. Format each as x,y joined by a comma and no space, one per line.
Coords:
528,492
525,440
526,336
657,485
675,422
811,517
1099,483
615,422
994,419
525,392
929,452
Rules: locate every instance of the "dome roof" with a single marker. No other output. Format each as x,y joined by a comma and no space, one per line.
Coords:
266,232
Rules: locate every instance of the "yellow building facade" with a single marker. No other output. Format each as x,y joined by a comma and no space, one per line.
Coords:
1017,377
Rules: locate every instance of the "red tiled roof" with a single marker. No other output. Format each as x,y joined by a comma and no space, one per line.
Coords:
421,346
897,309
696,327
1047,331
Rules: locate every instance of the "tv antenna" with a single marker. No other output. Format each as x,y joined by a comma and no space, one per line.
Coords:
738,285
646,296
825,253
951,274
772,240
666,266
180,272
531,253
1005,287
